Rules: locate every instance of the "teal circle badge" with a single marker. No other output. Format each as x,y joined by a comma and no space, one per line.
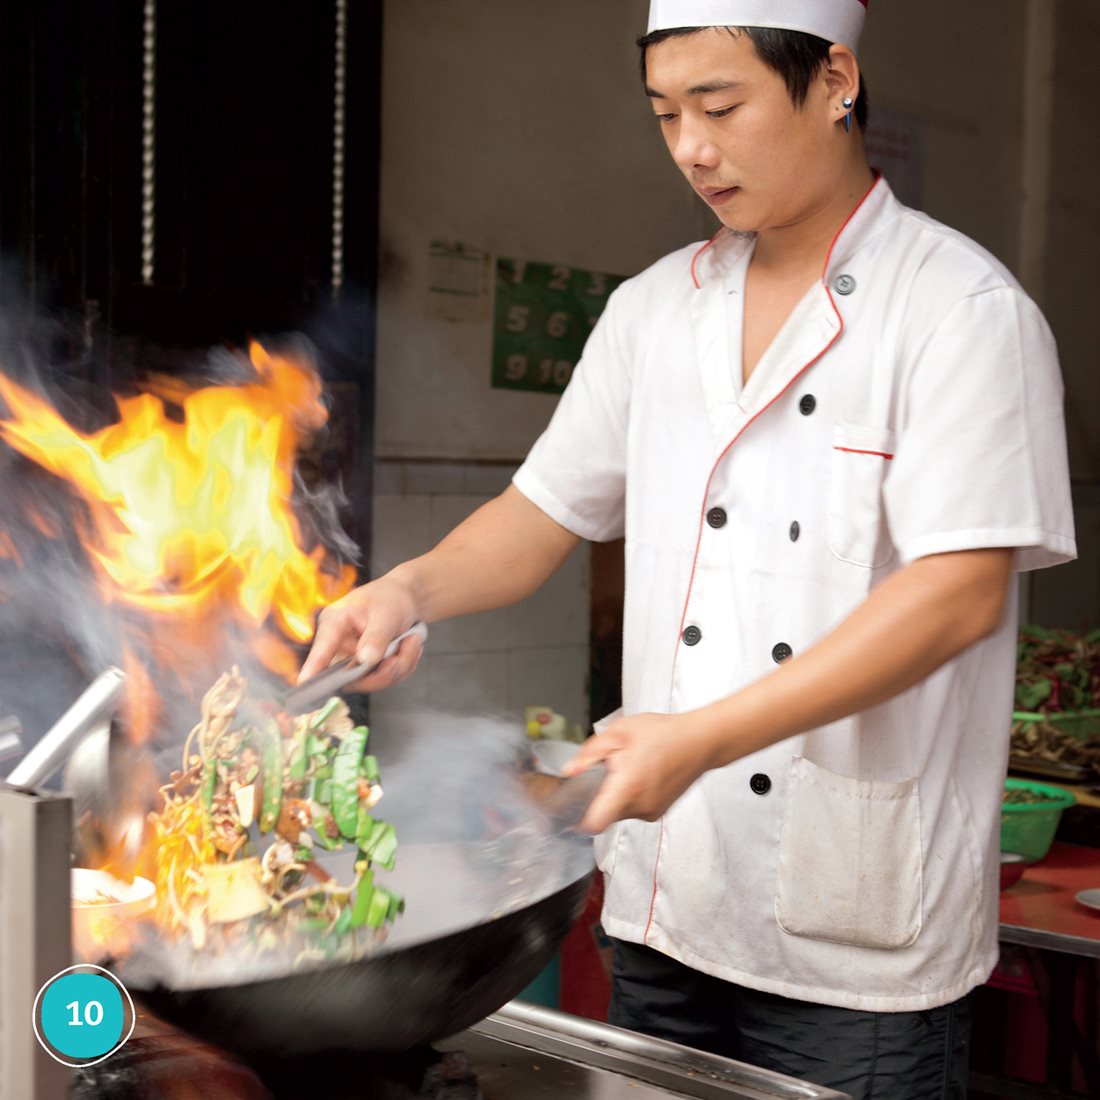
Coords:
82,1015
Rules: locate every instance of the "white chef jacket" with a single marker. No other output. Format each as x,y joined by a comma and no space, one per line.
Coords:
911,405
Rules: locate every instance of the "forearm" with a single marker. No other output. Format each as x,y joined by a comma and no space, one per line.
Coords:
502,553
915,621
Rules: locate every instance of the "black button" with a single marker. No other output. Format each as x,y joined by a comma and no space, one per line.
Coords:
716,517
760,783
795,531
807,404
692,635
780,652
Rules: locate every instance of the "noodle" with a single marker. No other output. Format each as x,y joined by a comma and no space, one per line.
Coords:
257,793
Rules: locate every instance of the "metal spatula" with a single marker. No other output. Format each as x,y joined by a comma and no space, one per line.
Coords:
565,803
311,693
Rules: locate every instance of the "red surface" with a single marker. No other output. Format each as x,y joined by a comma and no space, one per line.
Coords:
1043,899
586,962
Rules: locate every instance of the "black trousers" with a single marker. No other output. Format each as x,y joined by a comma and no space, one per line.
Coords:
869,1055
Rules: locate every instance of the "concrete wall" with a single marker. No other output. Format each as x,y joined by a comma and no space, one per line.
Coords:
518,128
1071,288
1006,91
957,68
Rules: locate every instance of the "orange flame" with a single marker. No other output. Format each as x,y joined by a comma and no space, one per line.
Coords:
8,548
189,517
141,705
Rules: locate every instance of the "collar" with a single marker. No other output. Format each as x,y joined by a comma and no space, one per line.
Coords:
875,210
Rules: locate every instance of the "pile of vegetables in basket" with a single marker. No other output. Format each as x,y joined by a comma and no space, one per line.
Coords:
1057,704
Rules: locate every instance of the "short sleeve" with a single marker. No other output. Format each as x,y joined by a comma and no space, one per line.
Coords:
980,460
576,471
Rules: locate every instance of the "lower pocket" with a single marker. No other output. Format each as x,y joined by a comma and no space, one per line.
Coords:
850,866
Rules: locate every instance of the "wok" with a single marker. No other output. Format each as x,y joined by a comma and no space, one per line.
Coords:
483,917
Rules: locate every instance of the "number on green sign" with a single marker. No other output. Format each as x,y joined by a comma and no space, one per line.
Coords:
517,318
542,316
560,281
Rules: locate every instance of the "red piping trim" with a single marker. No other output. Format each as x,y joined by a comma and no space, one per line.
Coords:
653,899
859,451
710,477
698,254
855,210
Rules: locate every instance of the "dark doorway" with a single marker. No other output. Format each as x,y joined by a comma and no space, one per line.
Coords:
170,172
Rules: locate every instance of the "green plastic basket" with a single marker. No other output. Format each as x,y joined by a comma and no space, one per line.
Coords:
1028,828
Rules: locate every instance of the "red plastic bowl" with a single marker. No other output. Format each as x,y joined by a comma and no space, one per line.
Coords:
1012,867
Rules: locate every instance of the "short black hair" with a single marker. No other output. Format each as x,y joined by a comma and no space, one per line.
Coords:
797,57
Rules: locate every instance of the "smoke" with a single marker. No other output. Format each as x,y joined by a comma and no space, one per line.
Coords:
473,845
57,632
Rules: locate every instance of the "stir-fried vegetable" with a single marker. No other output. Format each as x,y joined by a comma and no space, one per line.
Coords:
258,792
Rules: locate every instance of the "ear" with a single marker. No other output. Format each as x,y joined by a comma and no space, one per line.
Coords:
841,76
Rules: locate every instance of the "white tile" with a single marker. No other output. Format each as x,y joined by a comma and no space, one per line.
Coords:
487,478
447,512
387,706
558,613
552,676
387,479
485,632
406,477
468,683
401,530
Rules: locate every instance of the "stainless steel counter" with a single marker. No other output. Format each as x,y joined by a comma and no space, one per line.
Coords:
525,1052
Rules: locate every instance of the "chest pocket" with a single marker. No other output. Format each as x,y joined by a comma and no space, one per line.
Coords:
856,524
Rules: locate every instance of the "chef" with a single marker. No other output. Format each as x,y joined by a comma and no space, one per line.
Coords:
831,435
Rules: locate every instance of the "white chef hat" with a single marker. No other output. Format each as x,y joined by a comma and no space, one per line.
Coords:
833,20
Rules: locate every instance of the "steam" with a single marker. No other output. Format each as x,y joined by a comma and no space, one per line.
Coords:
473,845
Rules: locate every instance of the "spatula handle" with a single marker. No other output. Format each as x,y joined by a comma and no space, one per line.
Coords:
567,804
317,689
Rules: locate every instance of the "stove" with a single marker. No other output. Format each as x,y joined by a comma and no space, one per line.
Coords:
522,1052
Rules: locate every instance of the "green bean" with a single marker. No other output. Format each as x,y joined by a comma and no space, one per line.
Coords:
379,907
273,777
324,713
298,754
363,895
345,781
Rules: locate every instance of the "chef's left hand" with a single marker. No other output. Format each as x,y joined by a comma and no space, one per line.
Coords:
651,760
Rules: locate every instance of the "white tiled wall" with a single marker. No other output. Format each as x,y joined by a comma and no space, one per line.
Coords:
535,652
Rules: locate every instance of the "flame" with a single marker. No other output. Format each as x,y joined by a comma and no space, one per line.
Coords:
8,548
189,515
141,703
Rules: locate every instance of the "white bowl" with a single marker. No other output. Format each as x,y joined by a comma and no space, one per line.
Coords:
103,909
551,756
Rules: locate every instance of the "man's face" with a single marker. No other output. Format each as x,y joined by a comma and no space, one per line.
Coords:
757,160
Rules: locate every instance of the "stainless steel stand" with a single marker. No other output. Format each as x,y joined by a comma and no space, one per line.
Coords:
35,934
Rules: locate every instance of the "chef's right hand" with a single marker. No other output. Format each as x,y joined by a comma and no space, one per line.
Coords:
362,624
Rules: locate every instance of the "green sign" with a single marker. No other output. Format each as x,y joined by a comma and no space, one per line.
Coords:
542,318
